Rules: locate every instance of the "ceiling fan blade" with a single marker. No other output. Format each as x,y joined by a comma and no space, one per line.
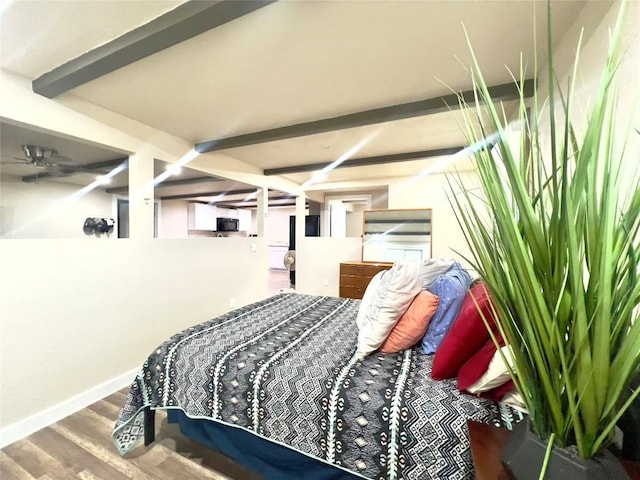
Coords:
62,159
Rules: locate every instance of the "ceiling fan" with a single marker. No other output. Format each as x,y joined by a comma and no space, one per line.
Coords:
42,157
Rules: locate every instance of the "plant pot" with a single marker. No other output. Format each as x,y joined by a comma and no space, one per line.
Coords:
525,451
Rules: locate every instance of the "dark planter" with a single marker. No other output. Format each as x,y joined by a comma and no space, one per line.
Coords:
524,456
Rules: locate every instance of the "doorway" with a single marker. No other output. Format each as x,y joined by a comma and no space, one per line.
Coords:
344,214
123,218
311,229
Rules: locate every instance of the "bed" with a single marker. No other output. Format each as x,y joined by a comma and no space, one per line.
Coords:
284,372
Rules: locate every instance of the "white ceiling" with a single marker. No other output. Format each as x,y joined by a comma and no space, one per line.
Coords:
70,151
39,35
292,62
14,166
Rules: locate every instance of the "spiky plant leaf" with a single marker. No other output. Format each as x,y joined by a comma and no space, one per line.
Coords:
560,252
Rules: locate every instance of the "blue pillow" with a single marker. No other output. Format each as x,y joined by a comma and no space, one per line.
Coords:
451,287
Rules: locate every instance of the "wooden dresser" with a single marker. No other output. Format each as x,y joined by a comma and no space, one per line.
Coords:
355,276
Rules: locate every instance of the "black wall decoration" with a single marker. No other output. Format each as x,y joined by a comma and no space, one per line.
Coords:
98,226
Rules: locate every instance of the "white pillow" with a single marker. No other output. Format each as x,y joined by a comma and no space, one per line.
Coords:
514,399
368,297
432,268
497,374
389,300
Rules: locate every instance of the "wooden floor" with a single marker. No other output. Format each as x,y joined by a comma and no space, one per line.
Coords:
80,446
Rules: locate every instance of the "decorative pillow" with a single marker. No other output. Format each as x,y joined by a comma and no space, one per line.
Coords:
368,297
432,268
451,288
496,394
514,399
467,334
412,324
497,374
392,297
474,368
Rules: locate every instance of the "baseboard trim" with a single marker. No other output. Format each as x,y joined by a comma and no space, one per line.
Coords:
23,428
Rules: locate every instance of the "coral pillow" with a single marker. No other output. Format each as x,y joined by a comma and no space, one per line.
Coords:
391,298
413,323
467,334
474,368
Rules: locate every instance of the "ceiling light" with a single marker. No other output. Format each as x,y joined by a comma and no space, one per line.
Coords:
324,147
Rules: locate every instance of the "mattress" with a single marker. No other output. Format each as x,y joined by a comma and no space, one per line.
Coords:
285,370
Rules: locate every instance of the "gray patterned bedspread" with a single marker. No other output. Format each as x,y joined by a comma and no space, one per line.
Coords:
285,369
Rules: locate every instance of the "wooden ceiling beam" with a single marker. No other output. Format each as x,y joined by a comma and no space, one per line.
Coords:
170,183
365,161
209,194
251,200
182,23
503,92
271,205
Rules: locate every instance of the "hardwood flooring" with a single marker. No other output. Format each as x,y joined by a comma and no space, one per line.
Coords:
279,281
80,446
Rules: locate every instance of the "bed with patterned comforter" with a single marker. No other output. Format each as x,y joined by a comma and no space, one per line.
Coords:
285,369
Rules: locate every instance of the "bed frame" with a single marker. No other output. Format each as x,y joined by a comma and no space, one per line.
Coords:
149,426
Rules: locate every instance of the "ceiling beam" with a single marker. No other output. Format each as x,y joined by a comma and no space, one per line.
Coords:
503,92
171,183
252,200
182,23
364,161
229,205
67,170
208,194
188,181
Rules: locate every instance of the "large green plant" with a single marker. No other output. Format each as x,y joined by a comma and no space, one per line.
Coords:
556,236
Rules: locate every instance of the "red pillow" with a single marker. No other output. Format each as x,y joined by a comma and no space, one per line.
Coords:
467,334
497,393
413,323
475,367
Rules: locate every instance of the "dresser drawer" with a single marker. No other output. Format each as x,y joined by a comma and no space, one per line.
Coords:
351,292
356,276
362,269
354,281
348,269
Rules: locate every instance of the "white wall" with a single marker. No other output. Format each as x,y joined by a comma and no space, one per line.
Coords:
174,222
354,223
278,225
76,314
598,19
318,259
379,200
254,222
431,191
48,209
